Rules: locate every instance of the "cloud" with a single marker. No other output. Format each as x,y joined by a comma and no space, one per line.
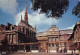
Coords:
40,19
35,18
71,27
42,30
9,6
17,17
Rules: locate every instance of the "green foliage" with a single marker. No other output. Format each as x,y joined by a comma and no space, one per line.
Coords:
52,8
76,10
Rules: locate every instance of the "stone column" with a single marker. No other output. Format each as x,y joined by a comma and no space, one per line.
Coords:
39,46
30,47
33,34
17,37
12,38
24,48
29,33
55,39
8,38
47,46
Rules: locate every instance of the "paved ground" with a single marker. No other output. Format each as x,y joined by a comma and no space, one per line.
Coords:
40,53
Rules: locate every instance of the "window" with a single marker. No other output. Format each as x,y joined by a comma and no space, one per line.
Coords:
49,39
57,39
12,38
23,30
52,44
53,39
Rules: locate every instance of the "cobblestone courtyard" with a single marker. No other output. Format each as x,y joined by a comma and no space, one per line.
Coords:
40,53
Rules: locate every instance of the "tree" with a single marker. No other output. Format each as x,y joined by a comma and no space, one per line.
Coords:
76,10
52,8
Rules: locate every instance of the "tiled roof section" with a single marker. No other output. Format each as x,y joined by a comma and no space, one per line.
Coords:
42,38
22,23
41,34
30,27
54,31
67,31
53,28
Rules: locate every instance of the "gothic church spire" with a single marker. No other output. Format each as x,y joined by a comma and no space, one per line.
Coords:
26,17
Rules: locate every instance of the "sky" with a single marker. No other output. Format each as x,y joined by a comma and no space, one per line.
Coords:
11,11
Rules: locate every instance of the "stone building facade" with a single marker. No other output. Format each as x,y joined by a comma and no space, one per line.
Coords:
74,40
54,40
23,33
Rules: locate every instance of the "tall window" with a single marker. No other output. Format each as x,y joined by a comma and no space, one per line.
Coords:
23,30
9,38
53,39
12,38
49,39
